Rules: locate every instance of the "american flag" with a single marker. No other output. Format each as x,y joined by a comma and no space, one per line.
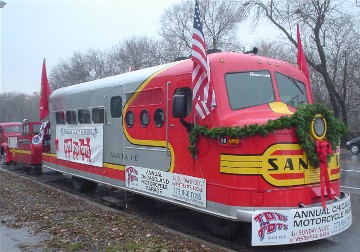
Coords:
203,92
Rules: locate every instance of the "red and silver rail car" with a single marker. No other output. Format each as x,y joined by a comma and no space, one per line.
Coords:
125,131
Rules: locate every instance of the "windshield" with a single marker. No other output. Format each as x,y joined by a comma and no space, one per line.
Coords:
36,128
13,129
292,92
249,89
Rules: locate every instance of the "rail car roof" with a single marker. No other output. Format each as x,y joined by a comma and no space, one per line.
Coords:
124,78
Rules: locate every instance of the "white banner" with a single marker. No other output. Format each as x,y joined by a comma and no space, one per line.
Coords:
273,227
184,188
80,143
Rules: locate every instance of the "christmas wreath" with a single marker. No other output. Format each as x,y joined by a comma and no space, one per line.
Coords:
301,120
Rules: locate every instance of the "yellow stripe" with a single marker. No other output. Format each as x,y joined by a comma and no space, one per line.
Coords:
260,165
280,107
50,154
114,166
20,151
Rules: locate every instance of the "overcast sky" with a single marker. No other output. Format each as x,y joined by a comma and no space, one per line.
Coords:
55,29
32,30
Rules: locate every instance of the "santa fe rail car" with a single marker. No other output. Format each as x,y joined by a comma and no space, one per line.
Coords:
131,131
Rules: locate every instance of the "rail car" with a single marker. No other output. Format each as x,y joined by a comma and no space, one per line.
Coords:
18,145
131,131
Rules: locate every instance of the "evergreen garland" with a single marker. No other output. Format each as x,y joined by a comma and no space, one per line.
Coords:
301,120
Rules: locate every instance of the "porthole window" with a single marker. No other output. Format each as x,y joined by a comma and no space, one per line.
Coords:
144,118
129,118
159,117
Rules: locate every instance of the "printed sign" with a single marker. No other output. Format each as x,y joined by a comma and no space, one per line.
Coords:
270,227
184,188
80,143
13,142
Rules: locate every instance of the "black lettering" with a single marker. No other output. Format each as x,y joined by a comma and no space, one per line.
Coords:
274,166
303,164
289,164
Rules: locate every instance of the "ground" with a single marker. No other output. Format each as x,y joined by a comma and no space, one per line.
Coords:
70,223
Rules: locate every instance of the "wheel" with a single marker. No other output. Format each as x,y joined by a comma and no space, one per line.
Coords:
355,148
35,170
4,157
83,185
221,227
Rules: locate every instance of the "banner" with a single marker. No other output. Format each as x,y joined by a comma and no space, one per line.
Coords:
80,143
184,188
275,227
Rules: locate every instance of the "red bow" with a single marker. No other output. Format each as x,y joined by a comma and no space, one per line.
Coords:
323,148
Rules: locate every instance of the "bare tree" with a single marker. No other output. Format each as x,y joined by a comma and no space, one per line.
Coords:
19,106
81,67
220,19
136,52
322,23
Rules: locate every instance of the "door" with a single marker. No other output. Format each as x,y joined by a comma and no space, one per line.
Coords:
145,136
113,128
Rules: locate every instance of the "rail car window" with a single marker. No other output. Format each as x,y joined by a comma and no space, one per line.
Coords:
71,117
60,117
116,107
83,116
98,115
144,118
36,128
159,117
292,92
129,118
248,89
188,94
12,129
26,129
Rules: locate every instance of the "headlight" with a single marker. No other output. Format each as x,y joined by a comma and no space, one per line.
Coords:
318,127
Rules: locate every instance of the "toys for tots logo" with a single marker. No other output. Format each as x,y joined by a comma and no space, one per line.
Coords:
270,223
132,175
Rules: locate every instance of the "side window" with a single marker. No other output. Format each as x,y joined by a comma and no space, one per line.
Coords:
115,107
71,117
36,128
83,116
188,94
60,117
98,115
159,117
292,92
1,130
26,128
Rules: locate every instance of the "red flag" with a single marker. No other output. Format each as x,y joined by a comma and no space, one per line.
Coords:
203,92
301,59
44,93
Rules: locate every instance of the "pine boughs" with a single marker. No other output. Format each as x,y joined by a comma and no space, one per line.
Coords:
301,120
